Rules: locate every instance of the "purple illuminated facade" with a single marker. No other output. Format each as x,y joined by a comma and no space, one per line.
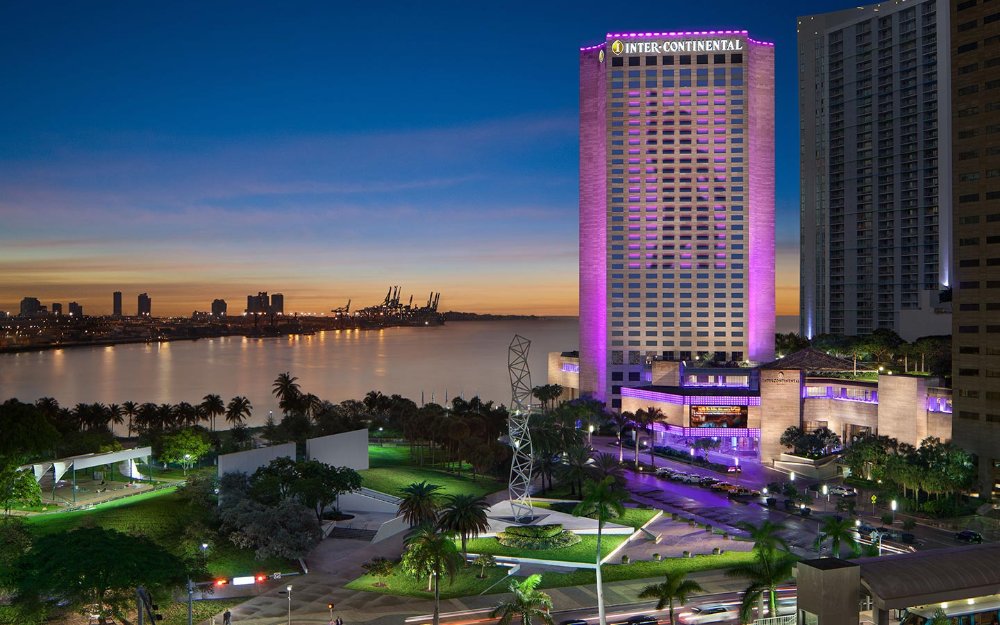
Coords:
676,203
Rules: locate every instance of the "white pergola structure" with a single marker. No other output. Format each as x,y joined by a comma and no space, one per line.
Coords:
61,466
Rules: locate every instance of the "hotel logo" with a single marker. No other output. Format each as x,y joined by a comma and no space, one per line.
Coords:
617,47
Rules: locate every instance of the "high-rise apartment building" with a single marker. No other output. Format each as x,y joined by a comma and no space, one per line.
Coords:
875,172
116,304
219,308
30,307
676,203
75,310
145,308
975,93
259,304
56,309
277,304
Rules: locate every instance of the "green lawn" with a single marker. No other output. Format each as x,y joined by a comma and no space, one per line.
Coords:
465,584
175,613
634,517
161,516
392,469
583,551
646,569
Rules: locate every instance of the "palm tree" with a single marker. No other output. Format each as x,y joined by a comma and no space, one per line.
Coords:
464,515
603,499
645,419
770,567
419,505
526,603
575,468
639,420
287,390
238,410
433,554
620,420
675,587
213,407
130,409
838,531
605,465
765,535
114,414
768,570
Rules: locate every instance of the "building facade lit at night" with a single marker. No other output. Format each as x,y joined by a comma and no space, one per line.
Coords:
676,204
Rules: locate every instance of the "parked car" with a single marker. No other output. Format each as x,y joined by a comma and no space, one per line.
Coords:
723,486
664,472
709,481
693,479
734,468
968,536
708,614
843,491
642,619
574,621
865,530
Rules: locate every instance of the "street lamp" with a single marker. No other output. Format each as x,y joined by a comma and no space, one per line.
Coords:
826,491
380,436
187,460
590,435
892,504
791,476
289,589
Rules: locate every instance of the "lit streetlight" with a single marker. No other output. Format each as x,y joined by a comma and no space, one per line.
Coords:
892,504
288,588
826,492
590,435
187,460
380,436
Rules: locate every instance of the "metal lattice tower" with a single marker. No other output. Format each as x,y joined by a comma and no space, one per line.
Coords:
519,488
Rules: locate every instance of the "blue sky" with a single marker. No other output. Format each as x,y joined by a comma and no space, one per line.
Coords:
326,150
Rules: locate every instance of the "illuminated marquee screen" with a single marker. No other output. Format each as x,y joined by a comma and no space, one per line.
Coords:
718,416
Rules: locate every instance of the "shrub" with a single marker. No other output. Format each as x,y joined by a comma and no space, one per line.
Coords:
625,559
909,524
685,554
716,551
708,528
887,518
657,557
537,537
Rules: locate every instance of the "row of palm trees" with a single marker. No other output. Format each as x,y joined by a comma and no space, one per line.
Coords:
97,417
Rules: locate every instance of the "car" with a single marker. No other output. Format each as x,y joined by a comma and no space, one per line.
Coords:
708,614
968,536
865,530
692,479
842,491
664,472
708,481
574,621
642,619
722,486
734,468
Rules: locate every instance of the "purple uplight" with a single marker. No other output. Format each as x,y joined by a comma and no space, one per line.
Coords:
691,400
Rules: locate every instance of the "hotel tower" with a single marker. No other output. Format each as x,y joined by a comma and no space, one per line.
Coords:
676,204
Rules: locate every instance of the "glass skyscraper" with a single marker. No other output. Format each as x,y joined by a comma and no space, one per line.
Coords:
676,204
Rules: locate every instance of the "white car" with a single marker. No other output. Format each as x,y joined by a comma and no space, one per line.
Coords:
692,479
708,614
842,491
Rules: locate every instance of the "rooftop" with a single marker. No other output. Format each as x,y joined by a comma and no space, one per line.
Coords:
810,359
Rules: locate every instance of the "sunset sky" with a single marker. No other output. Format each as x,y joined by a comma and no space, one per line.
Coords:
322,150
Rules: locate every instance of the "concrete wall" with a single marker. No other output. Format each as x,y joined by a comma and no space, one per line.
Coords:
781,408
666,373
902,407
838,413
830,589
249,461
675,414
348,449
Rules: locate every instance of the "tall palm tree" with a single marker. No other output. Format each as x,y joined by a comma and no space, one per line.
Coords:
419,504
433,554
238,410
639,421
603,499
620,420
526,602
653,416
130,409
838,531
286,389
464,515
114,414
675,587
768,570
214,407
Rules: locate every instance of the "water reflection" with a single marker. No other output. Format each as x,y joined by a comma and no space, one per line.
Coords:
460,357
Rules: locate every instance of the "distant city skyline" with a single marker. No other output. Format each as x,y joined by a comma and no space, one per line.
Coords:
326,169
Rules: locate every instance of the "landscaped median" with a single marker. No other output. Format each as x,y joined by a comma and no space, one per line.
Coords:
393,468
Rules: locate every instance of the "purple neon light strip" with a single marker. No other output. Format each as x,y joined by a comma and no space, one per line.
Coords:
683,33
692,400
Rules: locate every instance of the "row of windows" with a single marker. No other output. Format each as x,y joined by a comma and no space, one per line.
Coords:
684,59
682,73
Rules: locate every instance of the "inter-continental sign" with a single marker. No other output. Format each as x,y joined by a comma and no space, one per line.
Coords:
619,47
